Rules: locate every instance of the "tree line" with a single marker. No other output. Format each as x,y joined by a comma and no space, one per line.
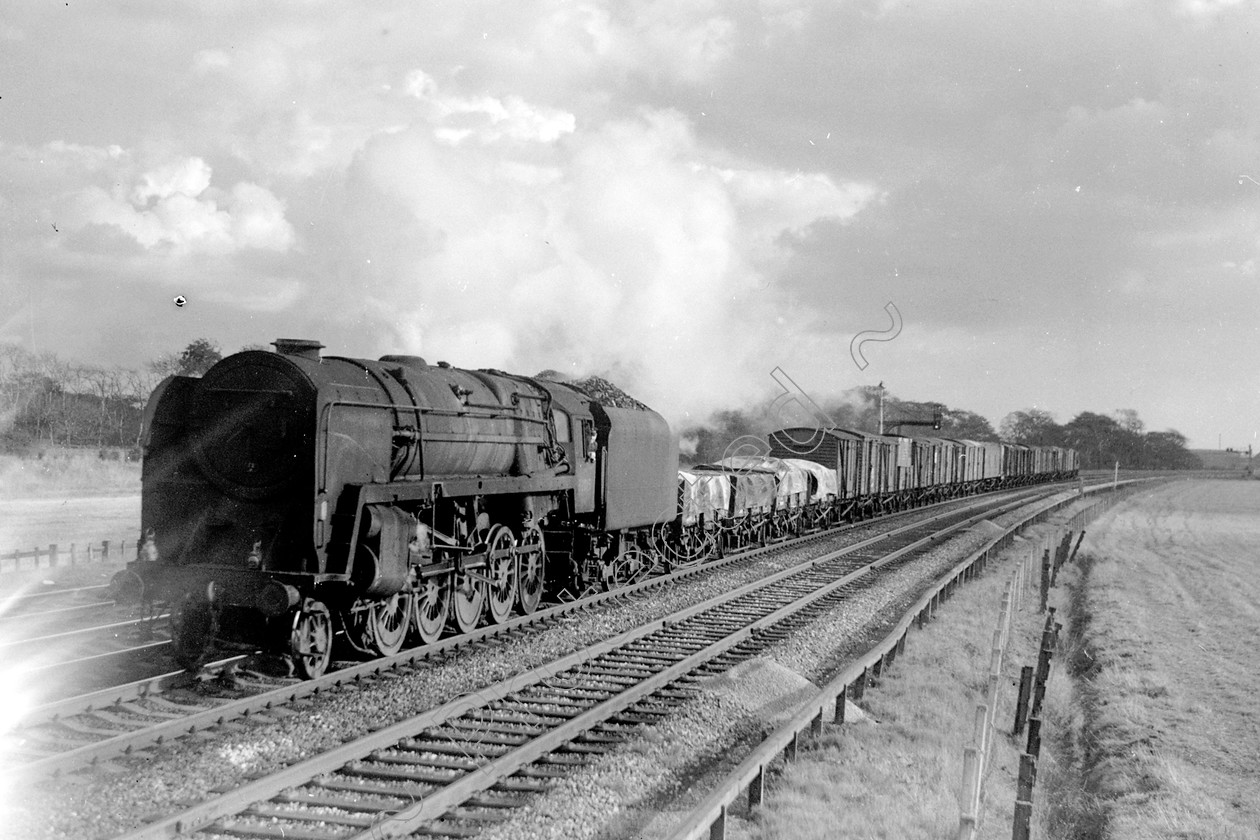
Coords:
48,401
1102,440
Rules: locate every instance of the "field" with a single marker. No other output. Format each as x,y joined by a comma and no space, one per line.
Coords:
79,519
66,475
77,500
1162,735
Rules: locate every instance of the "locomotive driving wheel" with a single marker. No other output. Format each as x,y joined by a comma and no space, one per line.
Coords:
388,621
468,599
310,642
501,570
531,563
431,607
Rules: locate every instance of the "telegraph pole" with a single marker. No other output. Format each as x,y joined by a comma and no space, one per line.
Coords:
881,408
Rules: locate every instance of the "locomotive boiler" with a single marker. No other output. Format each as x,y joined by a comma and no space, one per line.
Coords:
291,498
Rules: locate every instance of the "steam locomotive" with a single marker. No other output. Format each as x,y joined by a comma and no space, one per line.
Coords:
291,499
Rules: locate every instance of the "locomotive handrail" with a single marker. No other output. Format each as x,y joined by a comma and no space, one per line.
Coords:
415,408
442,412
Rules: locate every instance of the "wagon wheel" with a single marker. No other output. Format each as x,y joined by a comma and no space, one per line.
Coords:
796,523
430,607
387,623
468,599
636,565
193,628
501,570
633,565
310,643
694,547
531,569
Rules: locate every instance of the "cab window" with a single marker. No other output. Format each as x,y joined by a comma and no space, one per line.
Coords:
561,420
588,439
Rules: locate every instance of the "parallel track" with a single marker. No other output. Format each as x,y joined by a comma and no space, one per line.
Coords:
451,769
82,731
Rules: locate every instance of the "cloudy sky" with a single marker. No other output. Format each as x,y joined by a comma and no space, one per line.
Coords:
1062,206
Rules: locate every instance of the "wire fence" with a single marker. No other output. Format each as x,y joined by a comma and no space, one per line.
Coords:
1041,564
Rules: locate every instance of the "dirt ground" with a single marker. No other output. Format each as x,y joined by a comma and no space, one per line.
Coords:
1173,599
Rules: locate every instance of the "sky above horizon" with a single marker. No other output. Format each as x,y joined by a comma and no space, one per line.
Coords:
1060,202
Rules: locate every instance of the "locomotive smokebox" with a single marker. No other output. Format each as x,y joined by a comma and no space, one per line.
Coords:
303,348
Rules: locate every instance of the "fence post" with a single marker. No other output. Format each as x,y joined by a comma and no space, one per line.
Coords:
1045,579
971,783
1023,797
1034,737
980,732
757,789
1021,703
53,556
1077,547
105,551
717,831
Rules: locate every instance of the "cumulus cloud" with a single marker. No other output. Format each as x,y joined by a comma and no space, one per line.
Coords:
492,119
175,208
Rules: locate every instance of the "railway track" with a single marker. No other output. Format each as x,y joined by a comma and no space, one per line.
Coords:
585,701
65,648
85,730
52,603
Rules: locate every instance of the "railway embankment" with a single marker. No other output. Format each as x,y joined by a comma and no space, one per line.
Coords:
902,768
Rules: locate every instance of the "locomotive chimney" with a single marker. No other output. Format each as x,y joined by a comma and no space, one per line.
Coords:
303,348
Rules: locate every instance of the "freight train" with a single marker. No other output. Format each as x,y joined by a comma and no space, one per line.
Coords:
292,499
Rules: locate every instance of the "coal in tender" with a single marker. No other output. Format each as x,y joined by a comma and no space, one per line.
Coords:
606,393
